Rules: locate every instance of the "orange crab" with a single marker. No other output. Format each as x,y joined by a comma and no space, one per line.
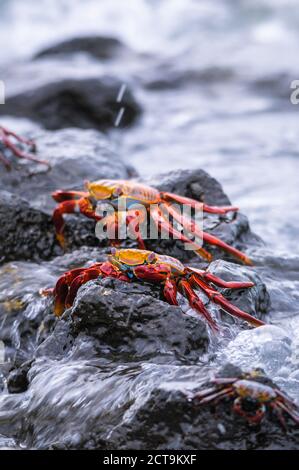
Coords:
147,266
251,398
6,141
160,205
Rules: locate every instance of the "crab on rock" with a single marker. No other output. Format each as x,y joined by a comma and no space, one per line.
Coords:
10,140
251,398
160,205
147,266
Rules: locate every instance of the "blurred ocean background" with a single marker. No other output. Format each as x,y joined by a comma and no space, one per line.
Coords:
218,94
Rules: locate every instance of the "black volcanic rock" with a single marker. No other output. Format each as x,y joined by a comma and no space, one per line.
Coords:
116,406
129,322
75,156
99,47
169,420
17,381
27,233
196,184
85,103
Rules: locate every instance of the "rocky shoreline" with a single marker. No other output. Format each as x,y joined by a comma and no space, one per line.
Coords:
114,371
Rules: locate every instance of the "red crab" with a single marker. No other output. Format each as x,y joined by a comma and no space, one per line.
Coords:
251,398
147,266
6,140
160,205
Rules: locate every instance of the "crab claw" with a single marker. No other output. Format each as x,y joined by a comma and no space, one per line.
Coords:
69,283
60,295
61,290
151,273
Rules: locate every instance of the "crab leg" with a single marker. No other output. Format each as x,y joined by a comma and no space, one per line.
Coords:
229,249
5,161
72,206
197,304
286,399
191,226
170,292
209,277
204,393
293,415
20,139
135,219
223,381
66,207
20,153
197,205
214,396
113,228
141,244
226,284
279,414
218,298
61,196
163,224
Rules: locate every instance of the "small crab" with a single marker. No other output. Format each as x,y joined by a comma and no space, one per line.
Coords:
6,141
251,398
160,205
147,266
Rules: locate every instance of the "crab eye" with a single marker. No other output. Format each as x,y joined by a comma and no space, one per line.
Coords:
113,251
117,191
151,257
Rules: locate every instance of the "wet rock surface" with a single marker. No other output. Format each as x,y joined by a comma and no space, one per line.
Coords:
85,103
185,425
27,316
127,322
27,233
75,155
99,47
106,359
17,381
134,407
